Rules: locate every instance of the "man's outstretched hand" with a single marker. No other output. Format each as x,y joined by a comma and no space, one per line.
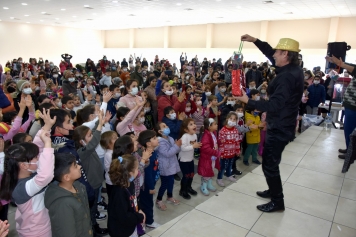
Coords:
244,98
248,38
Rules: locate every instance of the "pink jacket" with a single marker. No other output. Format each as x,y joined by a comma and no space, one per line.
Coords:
125,125
17,126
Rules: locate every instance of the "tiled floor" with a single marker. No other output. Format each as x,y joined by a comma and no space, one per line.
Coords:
320,200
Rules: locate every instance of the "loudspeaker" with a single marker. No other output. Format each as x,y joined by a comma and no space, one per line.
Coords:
338,49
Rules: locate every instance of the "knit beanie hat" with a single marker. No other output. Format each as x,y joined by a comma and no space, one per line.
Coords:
21,84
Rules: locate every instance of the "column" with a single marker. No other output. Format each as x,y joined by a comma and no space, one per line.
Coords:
209,35
264,31
131,38
334,24
166,37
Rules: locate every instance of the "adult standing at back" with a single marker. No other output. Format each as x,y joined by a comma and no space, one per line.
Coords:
285,93
349,101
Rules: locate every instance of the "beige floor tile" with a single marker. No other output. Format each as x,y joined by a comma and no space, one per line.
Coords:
315,180
250,184
298,147
208,226
342,231
349,189
319,128
323,164
244,212
312,132
309,201
331,142
309,140
162,217
253,234
351,173
291,158
346,213
285,171
159,231
326,152
291,223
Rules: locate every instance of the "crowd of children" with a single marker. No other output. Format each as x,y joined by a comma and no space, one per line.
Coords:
126,135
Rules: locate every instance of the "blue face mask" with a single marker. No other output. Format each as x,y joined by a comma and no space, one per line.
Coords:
166,131
131,179
256,113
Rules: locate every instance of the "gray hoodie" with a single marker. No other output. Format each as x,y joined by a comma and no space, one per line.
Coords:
69,212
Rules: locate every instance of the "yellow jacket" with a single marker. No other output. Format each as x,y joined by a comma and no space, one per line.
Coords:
253,136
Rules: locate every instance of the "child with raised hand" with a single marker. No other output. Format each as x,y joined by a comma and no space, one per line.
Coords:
167,158
138,124
67,200
148,140
24,180
209,155
149,119
125,117
86,141
124,217
186,157
229,146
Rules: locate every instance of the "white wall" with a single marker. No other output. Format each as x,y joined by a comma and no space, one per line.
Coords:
211,40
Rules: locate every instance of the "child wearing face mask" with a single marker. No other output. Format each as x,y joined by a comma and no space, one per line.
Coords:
201,113
33,169
138,124
86,142
228,107
171,120
251,86
255,94
166,152
190,107
221,96
253,137
229,147
131,91
125,117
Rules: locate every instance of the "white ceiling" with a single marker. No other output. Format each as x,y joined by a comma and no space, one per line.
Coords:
121,14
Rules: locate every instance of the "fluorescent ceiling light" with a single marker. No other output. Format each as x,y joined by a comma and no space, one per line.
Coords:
179,4
43,12
74,16
5,8
282,3
27,15
12,17
86,6
63,9
41,20
24,4
115,1
56,18
28,22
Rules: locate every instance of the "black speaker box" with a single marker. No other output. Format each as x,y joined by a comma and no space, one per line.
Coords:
338,49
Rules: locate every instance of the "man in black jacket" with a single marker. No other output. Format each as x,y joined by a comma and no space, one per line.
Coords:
254,75
285,93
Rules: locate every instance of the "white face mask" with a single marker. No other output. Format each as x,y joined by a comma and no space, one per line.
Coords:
55,75
263,91
223,90
27,91
240,115
71,79
141,120
252,87
188,109
33,163
316,82
199,103
346,74
59,104
306,77
208,93
37,88
173,116
231,123
134,91
117,95
232,103
125,69
147,109
258,97
169,92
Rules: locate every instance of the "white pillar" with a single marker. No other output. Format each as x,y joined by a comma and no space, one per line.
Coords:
166,37
264,31
209,35
131,38
334,24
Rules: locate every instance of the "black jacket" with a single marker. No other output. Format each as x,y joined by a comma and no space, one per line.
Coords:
258,80
122,217
285,93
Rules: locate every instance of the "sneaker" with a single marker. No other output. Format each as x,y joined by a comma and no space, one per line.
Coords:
236,172
232,179
153,225
100,216
102,206
256,162
246,163
177,178
220,182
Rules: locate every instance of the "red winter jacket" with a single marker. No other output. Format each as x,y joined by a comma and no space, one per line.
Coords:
165,101
206,152
103,65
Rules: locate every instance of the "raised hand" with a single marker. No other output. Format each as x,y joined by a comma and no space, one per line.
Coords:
179,142
209,105
181,116
107,96
107,116
181,97
46,137
4,228
49,122
248,38
28,101
22,103
146,154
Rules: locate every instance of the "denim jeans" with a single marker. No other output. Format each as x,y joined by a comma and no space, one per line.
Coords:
225,164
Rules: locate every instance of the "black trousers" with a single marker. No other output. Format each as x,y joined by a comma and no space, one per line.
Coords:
3,212
271,158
